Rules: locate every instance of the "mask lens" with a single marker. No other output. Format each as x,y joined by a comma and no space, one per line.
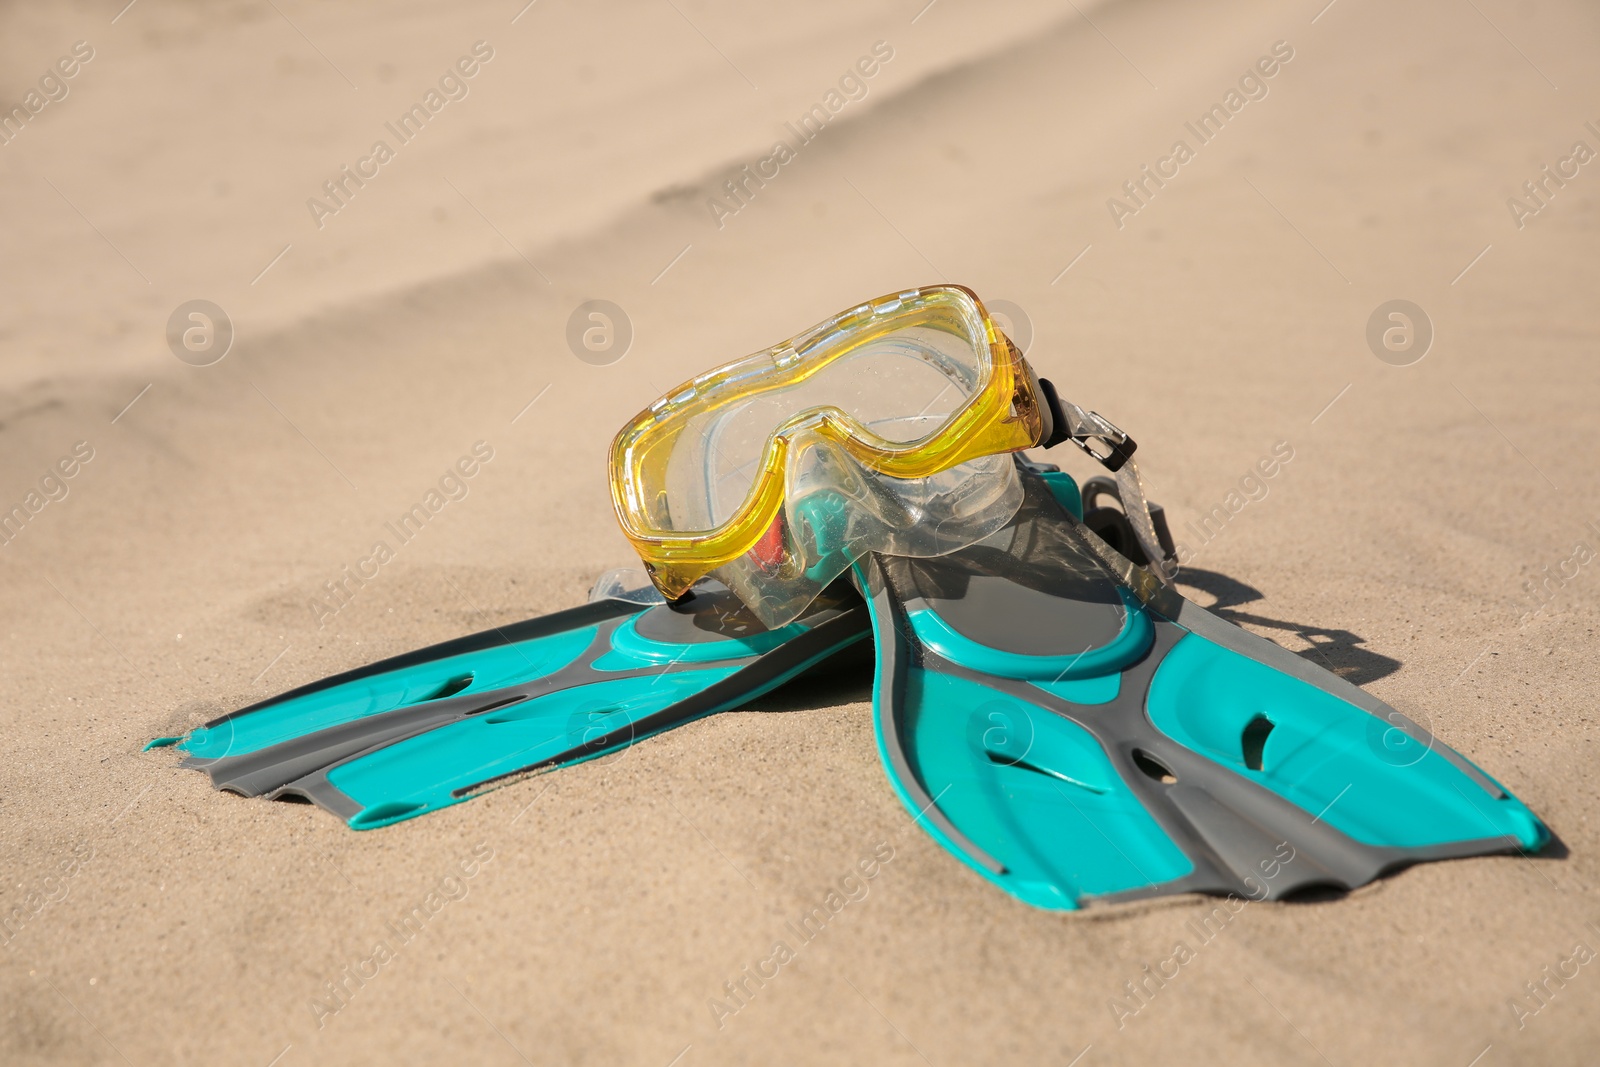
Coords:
899,382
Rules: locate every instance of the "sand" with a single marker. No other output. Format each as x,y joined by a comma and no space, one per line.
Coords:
1218,316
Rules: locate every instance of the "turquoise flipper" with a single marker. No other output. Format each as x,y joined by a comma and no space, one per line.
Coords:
1367,778
1019,780
1073,742
435,727
465,674
424,772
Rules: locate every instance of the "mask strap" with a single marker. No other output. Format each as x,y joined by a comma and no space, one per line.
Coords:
1113,448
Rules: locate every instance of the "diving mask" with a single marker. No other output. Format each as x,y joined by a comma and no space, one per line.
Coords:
885,429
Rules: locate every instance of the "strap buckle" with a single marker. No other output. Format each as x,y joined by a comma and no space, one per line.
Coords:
1089,430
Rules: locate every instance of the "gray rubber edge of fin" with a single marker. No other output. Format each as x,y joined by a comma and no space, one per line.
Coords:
891,631
838,629
270,770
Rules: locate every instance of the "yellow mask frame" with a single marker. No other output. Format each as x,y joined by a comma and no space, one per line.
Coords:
1004,412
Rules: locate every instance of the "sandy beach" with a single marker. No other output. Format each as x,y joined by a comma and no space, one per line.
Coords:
1430,535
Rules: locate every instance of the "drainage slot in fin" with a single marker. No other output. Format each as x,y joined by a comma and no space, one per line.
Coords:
1254,740
450,688
525,709
1153,767
1022,764
497,704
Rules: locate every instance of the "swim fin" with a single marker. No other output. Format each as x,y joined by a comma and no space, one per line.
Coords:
1075,732
440,725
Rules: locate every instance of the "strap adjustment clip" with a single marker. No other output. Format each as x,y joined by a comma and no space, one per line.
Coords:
1089,430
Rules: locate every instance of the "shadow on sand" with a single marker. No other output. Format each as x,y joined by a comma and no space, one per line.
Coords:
1339,651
